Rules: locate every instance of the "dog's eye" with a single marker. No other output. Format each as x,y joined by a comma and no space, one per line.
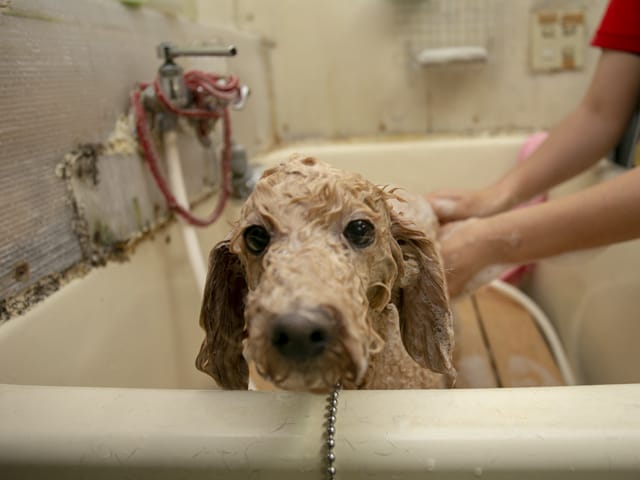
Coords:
360,233
256,238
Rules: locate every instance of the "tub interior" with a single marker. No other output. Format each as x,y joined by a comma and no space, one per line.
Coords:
135,324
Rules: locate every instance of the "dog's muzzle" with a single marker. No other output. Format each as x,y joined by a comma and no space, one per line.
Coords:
302,335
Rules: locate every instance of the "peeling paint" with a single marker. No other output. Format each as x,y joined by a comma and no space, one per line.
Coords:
82,163
118,251
65,171
99,247
122,140
19,304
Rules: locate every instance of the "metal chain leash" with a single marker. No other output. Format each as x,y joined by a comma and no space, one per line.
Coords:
330,432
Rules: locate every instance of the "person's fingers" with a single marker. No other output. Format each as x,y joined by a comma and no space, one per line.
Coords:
455,278
458,250
445,208
448,206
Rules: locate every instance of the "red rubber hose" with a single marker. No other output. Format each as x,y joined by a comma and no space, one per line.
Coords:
205,88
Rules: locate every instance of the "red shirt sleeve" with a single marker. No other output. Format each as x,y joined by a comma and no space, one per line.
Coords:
620,27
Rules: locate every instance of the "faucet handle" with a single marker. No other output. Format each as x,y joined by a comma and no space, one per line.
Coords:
170,73
168,51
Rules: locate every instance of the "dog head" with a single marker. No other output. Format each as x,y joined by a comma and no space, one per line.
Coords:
317,254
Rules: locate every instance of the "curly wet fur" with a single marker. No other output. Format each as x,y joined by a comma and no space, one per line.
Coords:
385,305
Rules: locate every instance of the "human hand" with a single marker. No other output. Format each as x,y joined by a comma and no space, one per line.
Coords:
470,259
455,205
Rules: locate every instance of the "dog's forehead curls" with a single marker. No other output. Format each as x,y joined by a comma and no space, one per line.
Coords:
304,189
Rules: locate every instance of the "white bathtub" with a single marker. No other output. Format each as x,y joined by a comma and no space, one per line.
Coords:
98,380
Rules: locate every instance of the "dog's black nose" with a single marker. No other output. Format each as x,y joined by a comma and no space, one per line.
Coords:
298,337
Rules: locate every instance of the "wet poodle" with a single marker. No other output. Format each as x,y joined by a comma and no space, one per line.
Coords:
326,278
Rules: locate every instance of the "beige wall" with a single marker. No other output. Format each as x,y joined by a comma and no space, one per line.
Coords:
343,68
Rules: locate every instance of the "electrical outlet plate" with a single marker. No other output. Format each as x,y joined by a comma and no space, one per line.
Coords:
557,40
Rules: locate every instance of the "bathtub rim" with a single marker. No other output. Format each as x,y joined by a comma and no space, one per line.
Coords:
403,143
536,430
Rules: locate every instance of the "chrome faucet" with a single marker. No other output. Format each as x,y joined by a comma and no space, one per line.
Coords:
171,74
172,83
173,88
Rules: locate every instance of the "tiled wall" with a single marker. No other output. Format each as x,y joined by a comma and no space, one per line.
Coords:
344,68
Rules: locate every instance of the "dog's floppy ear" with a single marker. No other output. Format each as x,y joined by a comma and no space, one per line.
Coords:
222,317
426,322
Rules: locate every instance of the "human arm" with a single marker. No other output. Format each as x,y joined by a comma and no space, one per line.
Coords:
577,142
606,213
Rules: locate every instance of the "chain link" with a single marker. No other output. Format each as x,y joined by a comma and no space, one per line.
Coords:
330,432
